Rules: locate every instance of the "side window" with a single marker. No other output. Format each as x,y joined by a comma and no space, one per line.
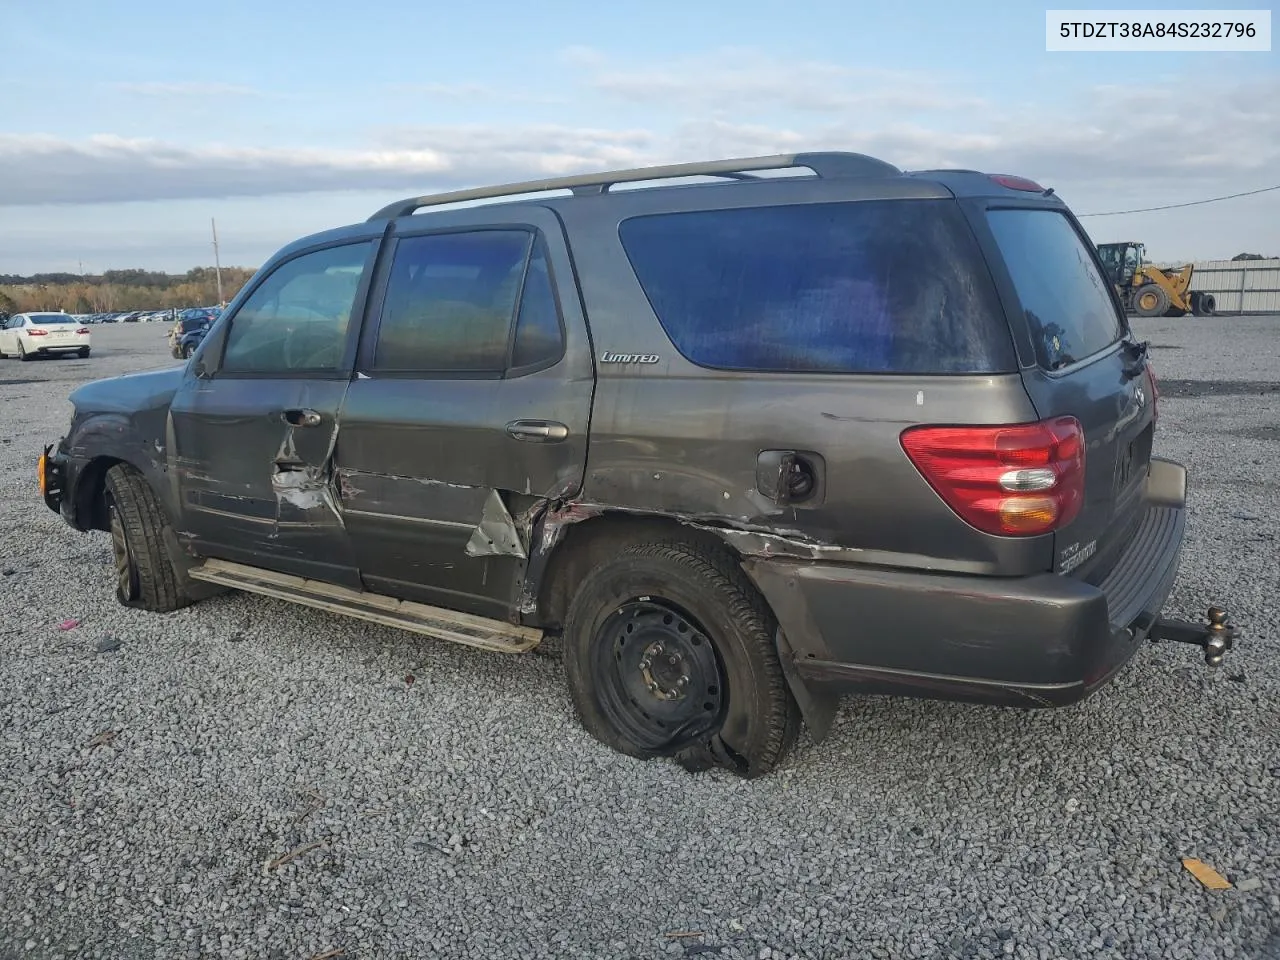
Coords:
297,319
450,302
870,286
539,337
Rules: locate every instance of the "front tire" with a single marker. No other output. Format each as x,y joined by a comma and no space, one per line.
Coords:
670,652
146,576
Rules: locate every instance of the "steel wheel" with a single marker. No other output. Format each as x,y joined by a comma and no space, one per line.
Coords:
126,572
658,676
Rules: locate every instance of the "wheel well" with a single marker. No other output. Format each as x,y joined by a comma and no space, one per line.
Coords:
91,493
587,544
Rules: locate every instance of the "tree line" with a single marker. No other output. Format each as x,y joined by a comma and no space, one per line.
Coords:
118,290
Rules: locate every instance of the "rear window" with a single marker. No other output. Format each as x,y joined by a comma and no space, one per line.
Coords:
50,319
873,286
1068,304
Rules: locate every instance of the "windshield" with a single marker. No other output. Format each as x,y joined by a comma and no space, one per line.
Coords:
1068,303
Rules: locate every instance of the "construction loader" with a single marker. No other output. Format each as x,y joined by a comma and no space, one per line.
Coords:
1149,291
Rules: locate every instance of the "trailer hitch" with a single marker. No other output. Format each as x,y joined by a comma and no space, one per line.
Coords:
1215,638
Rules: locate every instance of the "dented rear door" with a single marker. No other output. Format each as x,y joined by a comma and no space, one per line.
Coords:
254,433
469,409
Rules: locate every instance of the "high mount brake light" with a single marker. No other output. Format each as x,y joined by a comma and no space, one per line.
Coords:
1017,183
1019,480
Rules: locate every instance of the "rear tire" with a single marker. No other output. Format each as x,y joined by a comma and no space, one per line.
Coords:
1208,305
1149,300
146,576
187,351
84,353
22,353
700,679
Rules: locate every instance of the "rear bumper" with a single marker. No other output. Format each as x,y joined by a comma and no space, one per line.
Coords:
62,347
1044,640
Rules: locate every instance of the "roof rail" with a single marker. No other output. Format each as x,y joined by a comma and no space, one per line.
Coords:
824,165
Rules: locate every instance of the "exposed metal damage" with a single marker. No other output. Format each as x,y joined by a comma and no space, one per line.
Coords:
302,485
496,533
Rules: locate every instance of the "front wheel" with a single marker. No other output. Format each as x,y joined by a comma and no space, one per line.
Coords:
670,652
146,575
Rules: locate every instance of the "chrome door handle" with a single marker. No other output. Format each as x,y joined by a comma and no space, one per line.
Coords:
537,431
301,418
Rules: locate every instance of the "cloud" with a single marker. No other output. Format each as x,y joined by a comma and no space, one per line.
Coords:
105,169
468,92
1128,141
187,88
744,79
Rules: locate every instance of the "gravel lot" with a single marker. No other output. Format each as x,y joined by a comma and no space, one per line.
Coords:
466,815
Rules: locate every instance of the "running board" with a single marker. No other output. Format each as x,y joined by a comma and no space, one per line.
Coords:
419,618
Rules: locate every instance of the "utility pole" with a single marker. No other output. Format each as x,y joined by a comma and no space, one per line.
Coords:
217,262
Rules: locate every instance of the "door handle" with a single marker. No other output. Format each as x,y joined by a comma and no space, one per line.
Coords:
537,431
301,418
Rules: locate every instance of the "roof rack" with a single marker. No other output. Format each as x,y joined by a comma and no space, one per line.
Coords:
824,165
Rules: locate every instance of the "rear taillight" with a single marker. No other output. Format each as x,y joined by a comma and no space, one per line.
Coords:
37,333
83,330
1013,481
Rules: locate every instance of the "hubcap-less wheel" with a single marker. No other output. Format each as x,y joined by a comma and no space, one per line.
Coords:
126,574
1148,301
658,676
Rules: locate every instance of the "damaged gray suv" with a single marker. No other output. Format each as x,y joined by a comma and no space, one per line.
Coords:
745,435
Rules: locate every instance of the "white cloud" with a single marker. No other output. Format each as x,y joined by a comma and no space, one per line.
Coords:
468,92
187,88
1169,142
744,79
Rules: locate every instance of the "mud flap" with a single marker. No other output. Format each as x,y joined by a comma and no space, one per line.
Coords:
817,705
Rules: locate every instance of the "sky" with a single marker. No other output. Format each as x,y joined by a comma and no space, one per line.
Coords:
128,127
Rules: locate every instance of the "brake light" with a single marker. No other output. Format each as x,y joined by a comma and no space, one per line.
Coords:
37,333
83,330
1017,183
1015,481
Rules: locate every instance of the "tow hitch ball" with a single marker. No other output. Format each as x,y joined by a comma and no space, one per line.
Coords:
1215,638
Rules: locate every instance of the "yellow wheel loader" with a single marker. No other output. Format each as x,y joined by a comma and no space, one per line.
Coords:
1149,291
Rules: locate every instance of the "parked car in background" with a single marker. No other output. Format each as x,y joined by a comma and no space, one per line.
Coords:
189,330
29,335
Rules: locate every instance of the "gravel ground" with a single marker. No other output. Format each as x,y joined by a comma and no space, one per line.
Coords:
151,794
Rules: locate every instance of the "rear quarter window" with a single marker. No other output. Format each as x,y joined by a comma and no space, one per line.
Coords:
894,286
1067,300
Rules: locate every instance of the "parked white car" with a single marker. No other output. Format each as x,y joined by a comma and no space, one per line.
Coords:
29,335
